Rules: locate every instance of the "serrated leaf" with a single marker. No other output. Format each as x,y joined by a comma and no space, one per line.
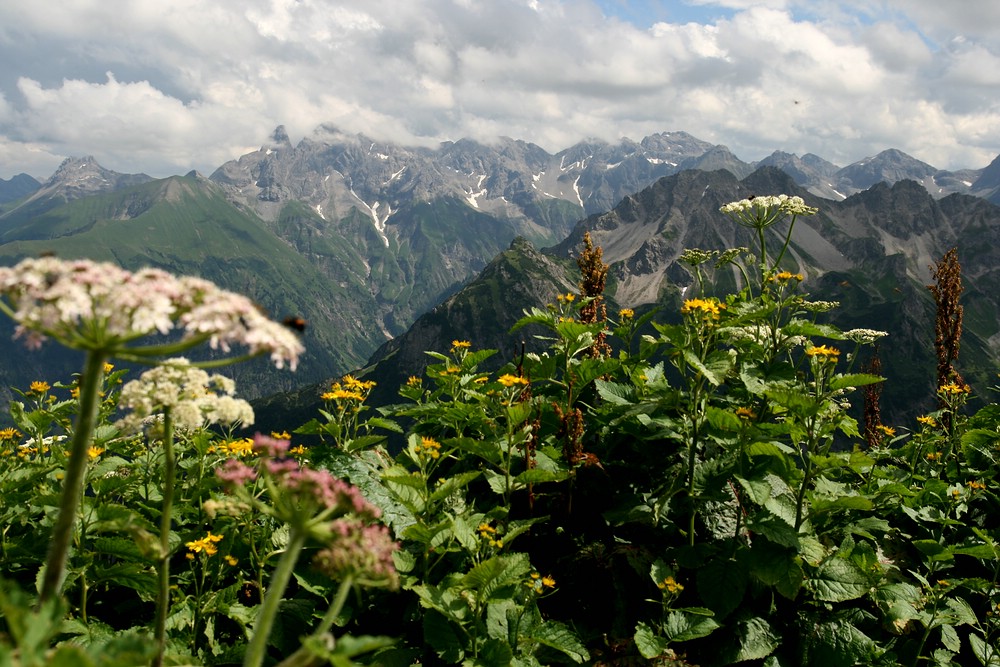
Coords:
615,393
650,644
558,636
838,580
682,626
839,644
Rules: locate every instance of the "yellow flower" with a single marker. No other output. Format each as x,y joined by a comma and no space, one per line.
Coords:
206,544
242,447
706,308
974,485
745,413
75,392
954,389
670,585
886,430
108,367
94,452
414,381
927,421
342,395
785,276
232,560
823,351
509,380
358,385
548,582
933,456
297,451
460,344
626,314
9,434
283,435
39,387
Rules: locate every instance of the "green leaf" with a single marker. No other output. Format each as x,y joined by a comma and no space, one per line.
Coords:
722,584
756,641
558,636
853,380
988,656
439,634
950,639
492,575
650,644
615,393
684,625
453,484
838,580
839,644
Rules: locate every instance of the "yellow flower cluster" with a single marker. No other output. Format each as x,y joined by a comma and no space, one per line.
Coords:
823,351
705,308
489,533
239,448
785,276
460,345
509,380
538,583
429,447
670,585
349,389
954,389
626,314
206,544
927,421
745,413
566,298
886,430
9,434
39,387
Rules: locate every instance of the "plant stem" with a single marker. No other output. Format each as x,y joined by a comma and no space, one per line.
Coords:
76,471
163,599
257,649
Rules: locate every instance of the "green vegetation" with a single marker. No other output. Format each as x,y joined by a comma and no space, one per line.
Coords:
675,498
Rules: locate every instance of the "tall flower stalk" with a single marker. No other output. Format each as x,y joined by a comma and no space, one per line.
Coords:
106,311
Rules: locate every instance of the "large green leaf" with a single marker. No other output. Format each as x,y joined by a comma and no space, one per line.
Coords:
837,580
560,637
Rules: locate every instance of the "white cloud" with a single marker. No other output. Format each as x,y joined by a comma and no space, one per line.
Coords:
166,87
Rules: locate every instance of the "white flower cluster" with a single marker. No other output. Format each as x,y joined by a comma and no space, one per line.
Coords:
760,212
865,336
94,305
194,398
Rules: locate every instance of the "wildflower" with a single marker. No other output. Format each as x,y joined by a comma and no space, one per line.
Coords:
357,385
706,308
9,434
566,298
509,380
39,387
934,456
626,314
819,306
670,585
94,452
460,345
235,473
108,368
91,305
206,544
269,446
298,450
695,256
887,431
231,560
927,421
414,381
865,336
761,212
548,582
283,435
745,413
342,395
193,397
429,447
976,485
954,389
785,276
242,447
823,351
359,551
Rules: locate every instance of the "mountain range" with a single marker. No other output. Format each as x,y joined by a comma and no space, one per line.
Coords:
391,250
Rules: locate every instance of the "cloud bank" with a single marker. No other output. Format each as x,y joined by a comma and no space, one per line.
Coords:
162,88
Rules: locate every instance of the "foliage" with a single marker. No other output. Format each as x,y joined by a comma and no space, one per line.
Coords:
694,493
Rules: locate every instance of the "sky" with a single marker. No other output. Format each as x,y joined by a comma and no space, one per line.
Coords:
164,87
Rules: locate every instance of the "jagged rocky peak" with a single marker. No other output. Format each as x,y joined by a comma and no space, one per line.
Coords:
890,165
79,177
278,140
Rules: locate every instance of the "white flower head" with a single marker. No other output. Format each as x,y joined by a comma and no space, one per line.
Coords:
92,305
193,397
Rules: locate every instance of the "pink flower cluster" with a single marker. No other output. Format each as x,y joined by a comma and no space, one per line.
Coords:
361,551
93,305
